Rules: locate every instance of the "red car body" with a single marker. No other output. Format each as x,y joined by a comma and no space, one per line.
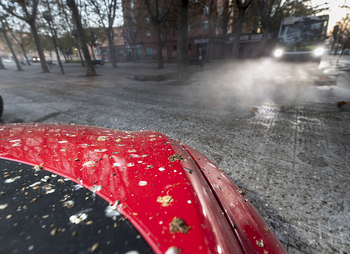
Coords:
152,179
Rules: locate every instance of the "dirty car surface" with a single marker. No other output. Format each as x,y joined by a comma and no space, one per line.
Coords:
86,186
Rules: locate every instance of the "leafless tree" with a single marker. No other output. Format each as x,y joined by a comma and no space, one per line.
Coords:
211,12
158,16
2,67
134,23
242,7
69,27
268,11
18,36
4,32
343,33
80,31
26,10
106,11
182,41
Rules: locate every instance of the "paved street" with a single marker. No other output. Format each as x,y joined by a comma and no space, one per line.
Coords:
291,153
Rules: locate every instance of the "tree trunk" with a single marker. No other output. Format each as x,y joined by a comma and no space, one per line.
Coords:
2,67
263,42
334,41
159,47
44,67
182,42
111,49
208,55
22,48
64,56
236,43
92,51
136,58
19,68
25,54
76,17
343,48
79,53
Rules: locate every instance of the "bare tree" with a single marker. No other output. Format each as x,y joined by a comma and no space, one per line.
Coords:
134,23
158,17
18,36
26,10
106,11
242,7
80,31
225,17
3,30
92,35
69,27
343,33
268,11
2,67
211,12
182,41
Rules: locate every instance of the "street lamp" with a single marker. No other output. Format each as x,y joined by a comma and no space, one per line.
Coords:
48,17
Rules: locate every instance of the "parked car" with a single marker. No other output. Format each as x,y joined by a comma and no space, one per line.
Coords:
35,59
80,189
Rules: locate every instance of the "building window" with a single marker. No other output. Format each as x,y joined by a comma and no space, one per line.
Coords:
139,53
129,55
105,54
132,4
174,48
205,24
147,20
121,55
148,33
149,55
189,46
189,28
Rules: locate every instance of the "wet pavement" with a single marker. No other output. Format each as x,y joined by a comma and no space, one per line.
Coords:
286,144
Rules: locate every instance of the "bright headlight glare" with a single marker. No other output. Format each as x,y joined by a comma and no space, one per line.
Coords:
278,53
319,51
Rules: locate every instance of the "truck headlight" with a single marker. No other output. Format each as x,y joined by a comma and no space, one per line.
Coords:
278,52
319,51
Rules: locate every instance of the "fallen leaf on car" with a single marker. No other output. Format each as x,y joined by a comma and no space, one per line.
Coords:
38,167
3,206
260,243
178,225
94,247
53,231
242,191
165,200
173,250
283,107
101,138
176,157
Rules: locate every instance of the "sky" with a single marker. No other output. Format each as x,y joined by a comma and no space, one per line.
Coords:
335,12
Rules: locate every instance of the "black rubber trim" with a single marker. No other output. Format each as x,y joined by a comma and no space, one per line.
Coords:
33,220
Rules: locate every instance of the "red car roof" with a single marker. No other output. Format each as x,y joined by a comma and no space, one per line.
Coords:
151,179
